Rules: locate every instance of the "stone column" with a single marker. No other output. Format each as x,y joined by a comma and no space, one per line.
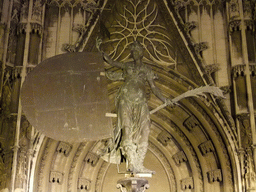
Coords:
28,42
242,41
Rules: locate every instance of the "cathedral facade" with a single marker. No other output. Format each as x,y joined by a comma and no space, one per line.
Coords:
203,144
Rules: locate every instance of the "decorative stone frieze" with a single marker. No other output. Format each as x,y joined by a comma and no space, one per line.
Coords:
92,158
164,137
235,20
198,2
234,26
179,157
191,122
83,184
250,25
215,176
64,148
252,69
90,6
56,177
187,183
22,27
36,28
238,70
206,147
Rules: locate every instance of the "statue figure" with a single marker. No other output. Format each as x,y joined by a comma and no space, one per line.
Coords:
133,124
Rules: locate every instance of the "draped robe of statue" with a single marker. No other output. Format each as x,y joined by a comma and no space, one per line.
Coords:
133,124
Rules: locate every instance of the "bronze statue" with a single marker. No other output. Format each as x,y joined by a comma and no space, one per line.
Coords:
133,124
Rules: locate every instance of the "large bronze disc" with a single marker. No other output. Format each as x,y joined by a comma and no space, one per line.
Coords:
65,98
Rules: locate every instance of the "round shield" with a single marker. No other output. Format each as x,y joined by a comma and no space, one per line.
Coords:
65,97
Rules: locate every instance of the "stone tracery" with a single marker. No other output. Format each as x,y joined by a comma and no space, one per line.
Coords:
218,137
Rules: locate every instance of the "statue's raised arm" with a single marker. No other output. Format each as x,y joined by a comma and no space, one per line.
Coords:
111,62
106,56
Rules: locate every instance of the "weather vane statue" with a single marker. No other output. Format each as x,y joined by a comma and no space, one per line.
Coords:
133,116
74,121
133,123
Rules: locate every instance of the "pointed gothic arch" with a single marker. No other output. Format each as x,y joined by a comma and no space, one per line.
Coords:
195,146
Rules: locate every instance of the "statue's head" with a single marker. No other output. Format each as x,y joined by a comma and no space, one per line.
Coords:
137,49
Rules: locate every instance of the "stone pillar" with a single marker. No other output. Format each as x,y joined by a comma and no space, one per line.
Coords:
242,52
27,47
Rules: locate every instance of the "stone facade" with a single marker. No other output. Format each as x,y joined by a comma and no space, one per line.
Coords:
202,144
